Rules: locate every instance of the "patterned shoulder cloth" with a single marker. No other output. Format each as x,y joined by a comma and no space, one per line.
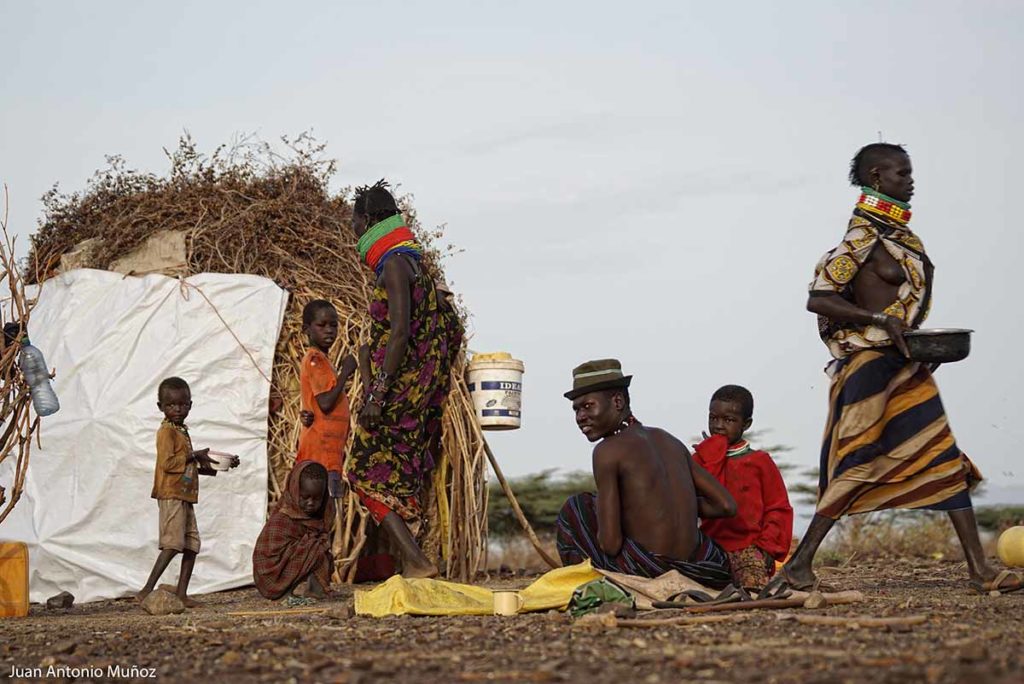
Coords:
837,269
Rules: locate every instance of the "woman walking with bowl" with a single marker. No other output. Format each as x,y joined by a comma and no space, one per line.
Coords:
887,442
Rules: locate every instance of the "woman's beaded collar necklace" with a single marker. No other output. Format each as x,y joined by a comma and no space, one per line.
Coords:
876,203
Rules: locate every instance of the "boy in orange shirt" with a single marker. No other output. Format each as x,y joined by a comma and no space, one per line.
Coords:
325,412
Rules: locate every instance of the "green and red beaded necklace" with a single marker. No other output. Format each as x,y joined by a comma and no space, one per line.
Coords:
875,202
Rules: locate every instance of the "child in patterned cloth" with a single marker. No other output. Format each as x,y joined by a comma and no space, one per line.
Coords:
762,529
293,552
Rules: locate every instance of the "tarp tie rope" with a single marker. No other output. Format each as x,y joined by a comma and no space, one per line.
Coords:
184,285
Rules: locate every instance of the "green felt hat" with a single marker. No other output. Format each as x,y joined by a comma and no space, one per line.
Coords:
594,376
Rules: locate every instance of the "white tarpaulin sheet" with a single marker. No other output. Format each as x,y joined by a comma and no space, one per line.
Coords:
86,512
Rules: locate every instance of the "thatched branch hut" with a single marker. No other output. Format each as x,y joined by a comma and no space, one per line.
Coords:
247,209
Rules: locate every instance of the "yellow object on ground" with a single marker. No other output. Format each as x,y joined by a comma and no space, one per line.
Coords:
13,579
1010,547
400,596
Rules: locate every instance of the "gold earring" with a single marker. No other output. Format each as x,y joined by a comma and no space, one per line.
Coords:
876,184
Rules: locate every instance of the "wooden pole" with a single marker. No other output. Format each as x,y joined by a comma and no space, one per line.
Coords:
517,510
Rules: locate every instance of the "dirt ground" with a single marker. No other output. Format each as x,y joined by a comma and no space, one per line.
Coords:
967,638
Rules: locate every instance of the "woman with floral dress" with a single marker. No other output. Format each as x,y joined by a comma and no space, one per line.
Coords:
415,335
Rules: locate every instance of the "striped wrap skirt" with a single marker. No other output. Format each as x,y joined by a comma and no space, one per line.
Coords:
887,442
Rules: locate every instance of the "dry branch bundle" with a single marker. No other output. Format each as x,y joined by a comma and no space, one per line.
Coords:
248,209
16,422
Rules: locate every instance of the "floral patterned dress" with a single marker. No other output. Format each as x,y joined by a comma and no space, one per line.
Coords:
389,463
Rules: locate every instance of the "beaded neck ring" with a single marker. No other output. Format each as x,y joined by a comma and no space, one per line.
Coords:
628,422
875,202
741,448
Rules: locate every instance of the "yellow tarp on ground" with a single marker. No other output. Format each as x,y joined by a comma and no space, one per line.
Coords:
400,596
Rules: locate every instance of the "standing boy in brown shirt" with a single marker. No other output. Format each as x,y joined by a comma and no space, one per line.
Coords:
176,487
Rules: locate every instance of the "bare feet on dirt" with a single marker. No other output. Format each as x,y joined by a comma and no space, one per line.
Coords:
1003,581
796,577
189,601
315,590
414,563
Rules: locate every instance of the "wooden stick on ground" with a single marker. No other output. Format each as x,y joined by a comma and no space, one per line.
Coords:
747,605
796,601
834,598
858,620
517,510
698,620
283,611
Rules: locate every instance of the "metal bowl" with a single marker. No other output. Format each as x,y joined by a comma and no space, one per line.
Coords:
938,345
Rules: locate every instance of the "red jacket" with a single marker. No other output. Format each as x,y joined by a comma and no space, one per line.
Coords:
764,517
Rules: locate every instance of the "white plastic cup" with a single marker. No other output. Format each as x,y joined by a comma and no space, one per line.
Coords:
221,460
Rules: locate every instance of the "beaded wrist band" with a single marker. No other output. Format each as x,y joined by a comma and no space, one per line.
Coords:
380,386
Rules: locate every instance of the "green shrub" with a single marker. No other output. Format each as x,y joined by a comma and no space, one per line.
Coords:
540,495
997,518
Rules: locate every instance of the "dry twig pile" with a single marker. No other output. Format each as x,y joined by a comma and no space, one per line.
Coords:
15,420
247,209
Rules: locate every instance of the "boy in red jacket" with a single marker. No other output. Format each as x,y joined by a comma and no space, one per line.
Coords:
762,529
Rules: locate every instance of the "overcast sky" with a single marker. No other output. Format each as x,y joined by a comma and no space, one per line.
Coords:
652,181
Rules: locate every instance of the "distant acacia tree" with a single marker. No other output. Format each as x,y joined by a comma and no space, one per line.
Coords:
802,482
540,495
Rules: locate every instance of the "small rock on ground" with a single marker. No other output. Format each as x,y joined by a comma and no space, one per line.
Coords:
815,600
162,602
342,612
61,601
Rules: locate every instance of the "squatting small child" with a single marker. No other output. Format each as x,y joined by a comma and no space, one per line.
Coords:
176,487
762,529
293,552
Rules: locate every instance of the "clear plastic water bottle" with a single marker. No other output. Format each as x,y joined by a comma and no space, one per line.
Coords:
33,367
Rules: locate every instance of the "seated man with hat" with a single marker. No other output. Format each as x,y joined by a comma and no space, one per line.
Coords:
644,519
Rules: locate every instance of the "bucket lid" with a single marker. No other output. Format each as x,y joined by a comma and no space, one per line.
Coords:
495,360
492,356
